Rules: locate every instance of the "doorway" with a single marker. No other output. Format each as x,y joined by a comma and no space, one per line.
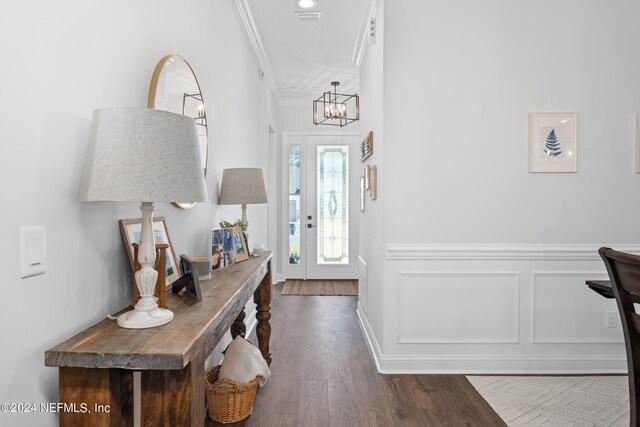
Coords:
320,206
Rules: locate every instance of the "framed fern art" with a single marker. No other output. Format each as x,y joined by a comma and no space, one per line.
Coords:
553,142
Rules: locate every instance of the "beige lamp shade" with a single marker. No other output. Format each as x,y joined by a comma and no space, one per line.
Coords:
242,186
142,155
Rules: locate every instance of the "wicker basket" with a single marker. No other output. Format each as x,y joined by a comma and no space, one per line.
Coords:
229,402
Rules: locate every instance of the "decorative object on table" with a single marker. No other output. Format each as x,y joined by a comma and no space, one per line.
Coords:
336,109
161,283
362,193
237,223
130,230
223,249
553,142
258,249
195,269
373,191
175,88
366,147
141,154
240,245
242,186
367,176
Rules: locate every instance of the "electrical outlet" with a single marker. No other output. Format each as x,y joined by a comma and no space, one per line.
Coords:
611,319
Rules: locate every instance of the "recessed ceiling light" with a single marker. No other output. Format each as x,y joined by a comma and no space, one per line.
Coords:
306,4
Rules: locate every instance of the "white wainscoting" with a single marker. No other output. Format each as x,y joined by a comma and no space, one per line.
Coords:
552,296
479,307
494,309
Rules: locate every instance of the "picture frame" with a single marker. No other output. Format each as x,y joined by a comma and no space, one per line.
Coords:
130,230
190,281
366,147
223,252
362,193
553,142
367,176
240,244
373,191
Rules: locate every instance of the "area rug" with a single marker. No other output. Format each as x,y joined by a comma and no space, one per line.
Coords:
557,401
320,287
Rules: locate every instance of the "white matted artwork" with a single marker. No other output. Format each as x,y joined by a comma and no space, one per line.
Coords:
130,230
553,142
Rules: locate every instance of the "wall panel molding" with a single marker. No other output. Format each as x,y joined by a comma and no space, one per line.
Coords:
486,318
564,252
537,337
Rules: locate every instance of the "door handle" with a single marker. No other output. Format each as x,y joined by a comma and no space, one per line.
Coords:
310,226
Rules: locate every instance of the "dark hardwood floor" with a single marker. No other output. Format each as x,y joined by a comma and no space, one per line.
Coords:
323,375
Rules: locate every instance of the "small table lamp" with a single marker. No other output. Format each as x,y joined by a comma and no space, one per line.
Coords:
242,186
143,155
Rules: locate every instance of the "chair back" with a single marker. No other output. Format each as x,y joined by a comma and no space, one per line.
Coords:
624,274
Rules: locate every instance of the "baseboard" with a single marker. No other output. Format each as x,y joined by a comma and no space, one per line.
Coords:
369,336
502,365
487,364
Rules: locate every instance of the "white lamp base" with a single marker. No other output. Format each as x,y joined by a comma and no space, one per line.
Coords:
136,319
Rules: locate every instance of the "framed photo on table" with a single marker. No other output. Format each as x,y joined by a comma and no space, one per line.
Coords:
553,142
130,230
240,244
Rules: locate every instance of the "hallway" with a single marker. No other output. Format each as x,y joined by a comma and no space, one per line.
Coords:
323,375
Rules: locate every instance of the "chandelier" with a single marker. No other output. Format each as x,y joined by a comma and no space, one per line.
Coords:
336,109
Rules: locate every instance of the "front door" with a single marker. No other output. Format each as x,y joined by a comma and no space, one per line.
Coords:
321,208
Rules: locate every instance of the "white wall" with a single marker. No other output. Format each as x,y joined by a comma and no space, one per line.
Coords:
370,286
460,80
62,61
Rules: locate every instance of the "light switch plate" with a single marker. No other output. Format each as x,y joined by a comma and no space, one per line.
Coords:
32,251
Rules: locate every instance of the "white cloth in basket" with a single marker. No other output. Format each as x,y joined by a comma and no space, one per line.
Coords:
243,362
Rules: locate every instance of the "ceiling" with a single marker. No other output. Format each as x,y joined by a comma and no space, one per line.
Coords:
305,57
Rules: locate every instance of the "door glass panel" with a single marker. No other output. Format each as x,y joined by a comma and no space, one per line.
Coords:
294,204
333,204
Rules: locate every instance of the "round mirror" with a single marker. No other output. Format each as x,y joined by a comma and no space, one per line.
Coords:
174,87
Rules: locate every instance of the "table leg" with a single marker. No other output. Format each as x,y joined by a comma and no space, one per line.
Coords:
262,298
238,327
174,397
96,397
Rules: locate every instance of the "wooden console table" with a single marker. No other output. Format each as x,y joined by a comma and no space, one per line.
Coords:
96,366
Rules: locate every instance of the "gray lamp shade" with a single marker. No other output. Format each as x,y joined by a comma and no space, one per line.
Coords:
242,186
142,155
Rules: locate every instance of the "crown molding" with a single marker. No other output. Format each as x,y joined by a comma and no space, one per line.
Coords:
258,46
363,34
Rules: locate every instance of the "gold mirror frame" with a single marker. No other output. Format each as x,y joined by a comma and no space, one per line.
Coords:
151,103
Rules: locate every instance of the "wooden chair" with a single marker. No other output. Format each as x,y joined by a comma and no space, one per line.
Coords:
624,273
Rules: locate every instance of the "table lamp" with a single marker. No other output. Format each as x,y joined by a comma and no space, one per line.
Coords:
242,186
143,155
